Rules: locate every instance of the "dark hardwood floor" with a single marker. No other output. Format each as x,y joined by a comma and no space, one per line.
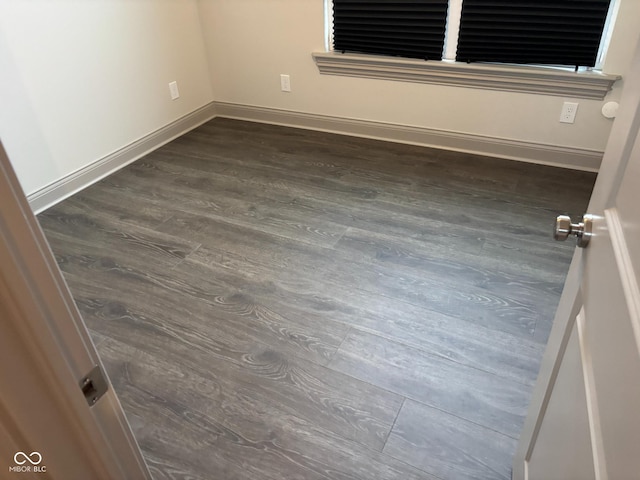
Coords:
274,303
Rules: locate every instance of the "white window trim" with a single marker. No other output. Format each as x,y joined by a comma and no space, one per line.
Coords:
536,79
454,16
524,79
612,14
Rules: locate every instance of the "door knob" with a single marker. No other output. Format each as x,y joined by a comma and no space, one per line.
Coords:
565,228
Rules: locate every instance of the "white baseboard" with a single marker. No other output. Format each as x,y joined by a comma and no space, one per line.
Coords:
80,179
555,155
560,156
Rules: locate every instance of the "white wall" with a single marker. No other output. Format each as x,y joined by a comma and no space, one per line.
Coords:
82,79
251,42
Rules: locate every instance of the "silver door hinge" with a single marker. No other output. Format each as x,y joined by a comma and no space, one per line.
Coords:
94,385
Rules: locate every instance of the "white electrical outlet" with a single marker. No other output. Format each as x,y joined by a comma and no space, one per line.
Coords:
568,113
173,90
285,83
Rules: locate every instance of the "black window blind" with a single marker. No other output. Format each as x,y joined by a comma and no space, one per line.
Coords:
555,32
408,28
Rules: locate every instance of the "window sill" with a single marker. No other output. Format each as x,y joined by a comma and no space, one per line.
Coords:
524,79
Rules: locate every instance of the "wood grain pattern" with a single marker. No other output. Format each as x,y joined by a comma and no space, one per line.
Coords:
461,390
239,425
87,232
294,286
278,303
448,447
341,266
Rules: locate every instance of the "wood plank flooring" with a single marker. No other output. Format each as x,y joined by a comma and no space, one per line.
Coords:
274,303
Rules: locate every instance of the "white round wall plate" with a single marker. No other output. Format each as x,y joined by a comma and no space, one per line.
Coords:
610,109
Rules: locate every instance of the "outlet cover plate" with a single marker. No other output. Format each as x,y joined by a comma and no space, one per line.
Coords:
568,113
173,90
285,83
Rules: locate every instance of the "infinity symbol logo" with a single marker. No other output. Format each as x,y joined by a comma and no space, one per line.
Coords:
27,458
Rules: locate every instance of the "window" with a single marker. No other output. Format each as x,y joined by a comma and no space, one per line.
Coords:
553,32
475,43
413,29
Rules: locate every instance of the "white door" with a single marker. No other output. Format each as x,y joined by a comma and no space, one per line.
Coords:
48,429
584,418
